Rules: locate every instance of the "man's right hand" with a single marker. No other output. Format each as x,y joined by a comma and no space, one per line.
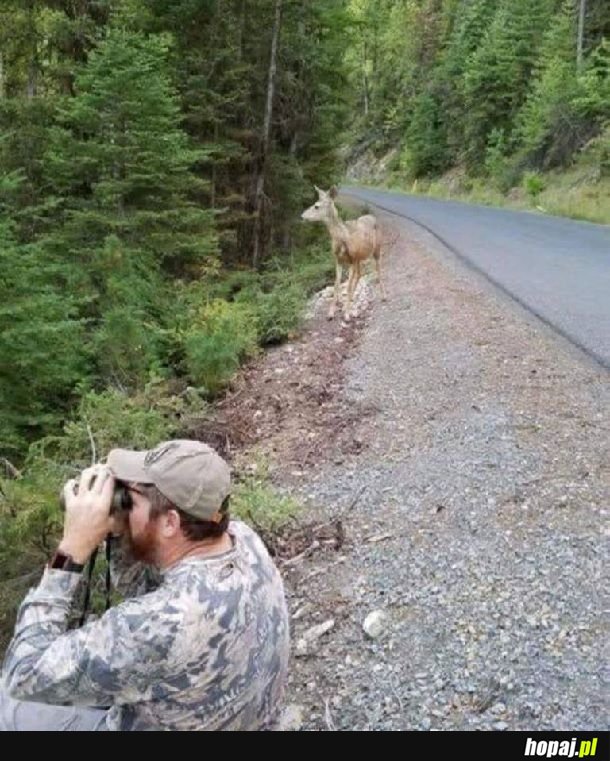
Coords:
87,516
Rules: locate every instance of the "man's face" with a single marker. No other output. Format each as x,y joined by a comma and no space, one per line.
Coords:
142,530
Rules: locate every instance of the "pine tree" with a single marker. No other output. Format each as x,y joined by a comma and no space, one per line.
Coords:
565,106
498,72
469,27
222,58
41,340
426,137
122,163
130,208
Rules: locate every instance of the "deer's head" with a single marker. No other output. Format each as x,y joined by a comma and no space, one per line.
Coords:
323,209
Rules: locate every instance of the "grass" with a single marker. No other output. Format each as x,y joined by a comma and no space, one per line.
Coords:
257,502
565,194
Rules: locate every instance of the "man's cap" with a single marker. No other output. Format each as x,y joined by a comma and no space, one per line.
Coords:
189,473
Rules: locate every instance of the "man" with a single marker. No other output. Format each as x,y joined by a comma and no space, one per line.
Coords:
206,650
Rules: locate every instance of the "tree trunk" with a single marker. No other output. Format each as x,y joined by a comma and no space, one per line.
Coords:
581,33
32,82
374,63
32,77
287,236
260,180
213,183
242,32
365,83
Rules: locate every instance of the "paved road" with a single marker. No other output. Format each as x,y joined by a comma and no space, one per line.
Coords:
557,268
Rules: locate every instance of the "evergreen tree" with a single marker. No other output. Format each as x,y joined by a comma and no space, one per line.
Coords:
471,22
498,72
130,208
565,106
41,341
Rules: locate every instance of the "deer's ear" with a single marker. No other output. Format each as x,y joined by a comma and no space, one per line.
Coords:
333,192
321,193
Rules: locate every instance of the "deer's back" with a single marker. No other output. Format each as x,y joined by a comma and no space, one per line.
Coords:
363,233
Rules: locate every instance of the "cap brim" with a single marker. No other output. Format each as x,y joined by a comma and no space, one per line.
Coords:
127,465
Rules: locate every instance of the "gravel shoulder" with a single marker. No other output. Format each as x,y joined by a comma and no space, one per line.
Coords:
466,447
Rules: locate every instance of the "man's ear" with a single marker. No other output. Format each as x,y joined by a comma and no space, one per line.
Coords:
171,523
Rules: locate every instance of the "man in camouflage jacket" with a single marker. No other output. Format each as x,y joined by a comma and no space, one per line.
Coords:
203,647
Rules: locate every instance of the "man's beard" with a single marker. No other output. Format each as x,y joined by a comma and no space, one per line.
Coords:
143,547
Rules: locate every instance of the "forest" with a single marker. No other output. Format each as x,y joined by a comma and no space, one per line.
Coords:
156,155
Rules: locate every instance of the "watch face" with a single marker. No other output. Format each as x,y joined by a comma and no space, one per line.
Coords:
58,560
64,563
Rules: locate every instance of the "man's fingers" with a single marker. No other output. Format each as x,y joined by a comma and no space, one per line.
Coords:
84,483
102,482
69,489
96,479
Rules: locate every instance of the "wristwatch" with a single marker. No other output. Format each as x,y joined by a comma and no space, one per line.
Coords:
65,563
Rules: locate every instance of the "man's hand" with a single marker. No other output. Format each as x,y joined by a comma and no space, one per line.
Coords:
87,518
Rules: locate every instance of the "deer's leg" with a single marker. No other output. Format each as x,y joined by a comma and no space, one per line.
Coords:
359,266
348,295
351,288
377,257
335,299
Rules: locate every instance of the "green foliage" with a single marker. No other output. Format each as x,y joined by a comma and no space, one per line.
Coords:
131,136
487,87
24,139
284,287
120,140
30,517
495,154
255,501
40,343
533,184
271,303
311,267
217,337
426,138
103,421
278,313
544,126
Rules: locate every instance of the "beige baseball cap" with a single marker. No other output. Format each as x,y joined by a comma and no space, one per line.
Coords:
189,473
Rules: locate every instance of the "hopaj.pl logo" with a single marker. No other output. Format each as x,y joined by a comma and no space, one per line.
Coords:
568,748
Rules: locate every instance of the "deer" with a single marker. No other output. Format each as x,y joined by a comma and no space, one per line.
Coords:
352,243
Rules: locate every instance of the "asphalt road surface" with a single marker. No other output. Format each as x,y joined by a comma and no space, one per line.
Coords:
557,268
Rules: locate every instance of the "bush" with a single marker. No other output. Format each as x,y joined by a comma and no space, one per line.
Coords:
278,313
126,347
256,502
310,269
533,184
219,336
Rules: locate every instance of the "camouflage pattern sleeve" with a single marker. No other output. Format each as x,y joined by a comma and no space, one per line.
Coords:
129,577
113,659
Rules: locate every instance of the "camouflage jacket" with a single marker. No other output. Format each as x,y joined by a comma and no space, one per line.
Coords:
206,650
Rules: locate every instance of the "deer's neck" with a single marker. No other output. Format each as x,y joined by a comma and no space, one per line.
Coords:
337,229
